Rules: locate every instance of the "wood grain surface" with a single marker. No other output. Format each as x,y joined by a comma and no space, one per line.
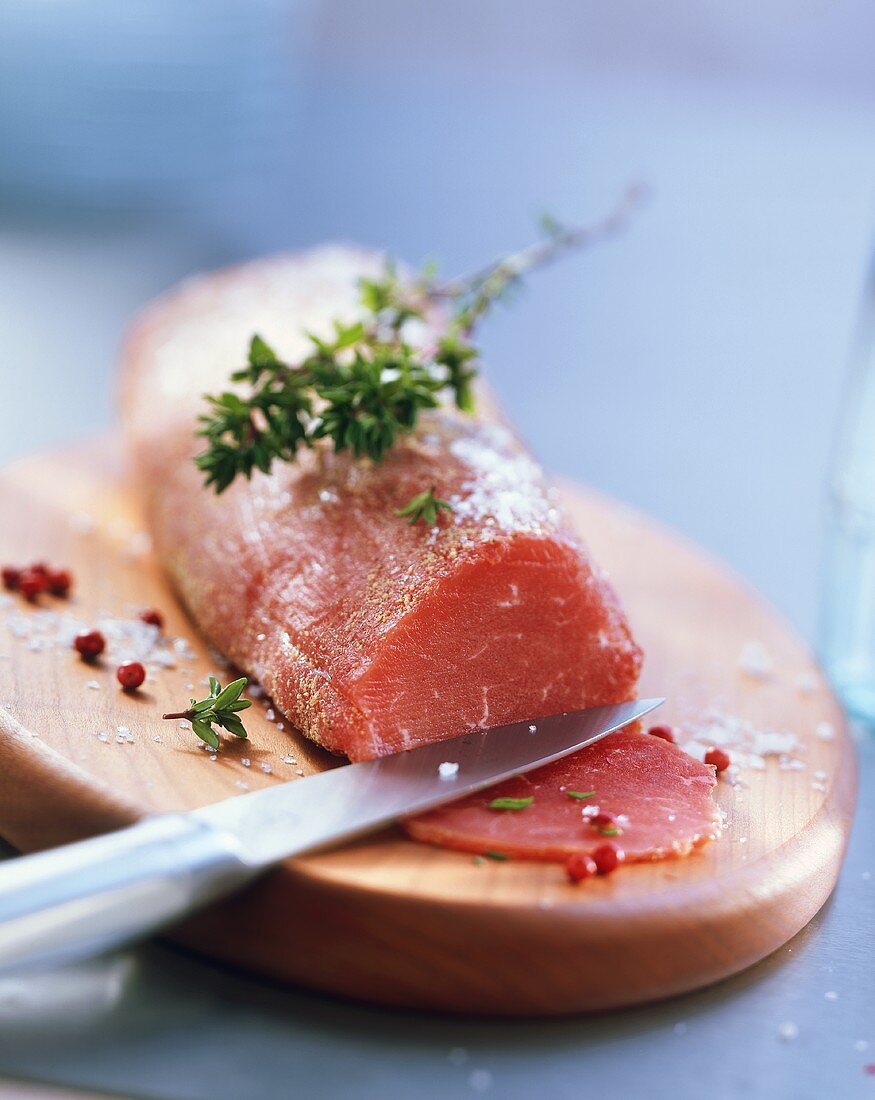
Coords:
385,919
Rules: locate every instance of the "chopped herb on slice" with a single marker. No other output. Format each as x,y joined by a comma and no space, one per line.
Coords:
500,856
610,830
580,794
511,803
478,861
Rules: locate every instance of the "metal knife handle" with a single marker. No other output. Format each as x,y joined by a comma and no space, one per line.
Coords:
86,898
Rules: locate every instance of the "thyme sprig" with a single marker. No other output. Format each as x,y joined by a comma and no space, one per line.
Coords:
368,383
424,507
221,706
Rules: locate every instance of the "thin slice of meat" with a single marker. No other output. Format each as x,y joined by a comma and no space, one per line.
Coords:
661,796
371,635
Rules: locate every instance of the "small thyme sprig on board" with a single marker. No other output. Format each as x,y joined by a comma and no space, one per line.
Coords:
221,706
368,383
425,507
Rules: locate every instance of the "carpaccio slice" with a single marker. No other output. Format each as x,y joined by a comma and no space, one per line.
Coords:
370,634
662,796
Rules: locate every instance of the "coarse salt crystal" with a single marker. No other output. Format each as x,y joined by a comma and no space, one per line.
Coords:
533,728
102,737
280,725
448,770
768,743
139,544
825,731
266,768
506,490
289,760
299,771
480,1080
184,724
157,738
755,660
93,684
245,761
81,524
806,683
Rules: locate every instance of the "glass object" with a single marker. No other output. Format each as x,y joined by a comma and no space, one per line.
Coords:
848,610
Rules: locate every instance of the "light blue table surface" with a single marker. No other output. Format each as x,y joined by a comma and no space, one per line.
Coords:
693,368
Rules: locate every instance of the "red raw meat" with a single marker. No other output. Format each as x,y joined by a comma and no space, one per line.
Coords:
370,634
661,795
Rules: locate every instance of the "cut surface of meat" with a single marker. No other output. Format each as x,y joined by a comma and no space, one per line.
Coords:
660,796
371,634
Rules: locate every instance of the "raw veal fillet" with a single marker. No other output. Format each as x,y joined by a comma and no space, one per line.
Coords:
370,634
661,795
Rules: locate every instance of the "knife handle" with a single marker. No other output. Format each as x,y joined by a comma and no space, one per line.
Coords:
85,898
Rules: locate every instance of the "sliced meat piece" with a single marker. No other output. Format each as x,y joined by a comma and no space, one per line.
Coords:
371,635
662,796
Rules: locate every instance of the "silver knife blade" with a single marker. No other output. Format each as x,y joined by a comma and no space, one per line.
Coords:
301,816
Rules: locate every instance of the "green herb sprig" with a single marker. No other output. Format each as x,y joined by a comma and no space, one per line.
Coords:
425,507
366,385
221,706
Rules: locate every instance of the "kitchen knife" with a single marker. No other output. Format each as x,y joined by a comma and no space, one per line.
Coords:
85,898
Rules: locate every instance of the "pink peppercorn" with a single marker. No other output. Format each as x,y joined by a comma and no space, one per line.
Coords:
89,644
608,858
59,582
718,758
580,866
11,578
130,675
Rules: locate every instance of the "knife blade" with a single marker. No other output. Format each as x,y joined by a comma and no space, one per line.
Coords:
86,898
348,801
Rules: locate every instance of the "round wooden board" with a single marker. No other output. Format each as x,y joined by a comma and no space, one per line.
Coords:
386,919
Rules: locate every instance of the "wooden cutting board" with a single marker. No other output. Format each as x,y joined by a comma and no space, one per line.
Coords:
386,919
